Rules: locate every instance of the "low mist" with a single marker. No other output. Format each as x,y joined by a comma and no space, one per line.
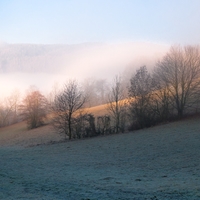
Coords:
43,65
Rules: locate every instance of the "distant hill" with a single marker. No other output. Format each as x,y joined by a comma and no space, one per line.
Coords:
32,58
22,65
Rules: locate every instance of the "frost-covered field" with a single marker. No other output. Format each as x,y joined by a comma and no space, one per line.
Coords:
157,163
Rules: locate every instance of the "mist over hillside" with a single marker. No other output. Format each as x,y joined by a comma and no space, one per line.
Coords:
22,65
31,58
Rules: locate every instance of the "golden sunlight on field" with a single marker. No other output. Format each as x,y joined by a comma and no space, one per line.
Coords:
18,134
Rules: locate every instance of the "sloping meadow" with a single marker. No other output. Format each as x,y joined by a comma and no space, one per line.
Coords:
162,162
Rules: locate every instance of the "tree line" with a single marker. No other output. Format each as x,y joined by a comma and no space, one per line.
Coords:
171,91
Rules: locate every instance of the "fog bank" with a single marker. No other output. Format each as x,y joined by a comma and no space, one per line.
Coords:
22,65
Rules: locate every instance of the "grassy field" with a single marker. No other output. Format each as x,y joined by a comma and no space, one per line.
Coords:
19,135
162,162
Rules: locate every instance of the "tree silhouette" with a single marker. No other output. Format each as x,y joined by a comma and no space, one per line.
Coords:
34,109
141,97
116,105
70,100
179,72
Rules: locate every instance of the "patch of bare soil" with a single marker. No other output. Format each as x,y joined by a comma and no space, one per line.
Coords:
156,163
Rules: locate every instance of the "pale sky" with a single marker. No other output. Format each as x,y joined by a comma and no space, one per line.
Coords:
142,30
78,21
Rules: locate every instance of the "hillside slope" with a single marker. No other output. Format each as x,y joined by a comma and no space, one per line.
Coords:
18,135
162,162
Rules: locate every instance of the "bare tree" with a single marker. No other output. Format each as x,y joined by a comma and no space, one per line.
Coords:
34,109
89,88
179,72
101,87
13,102
66,104
162,101
116,104
9,109
54,91
141,97
95,90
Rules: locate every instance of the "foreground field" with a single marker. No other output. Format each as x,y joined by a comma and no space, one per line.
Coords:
157,163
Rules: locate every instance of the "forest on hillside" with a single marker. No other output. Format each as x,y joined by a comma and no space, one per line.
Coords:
170,91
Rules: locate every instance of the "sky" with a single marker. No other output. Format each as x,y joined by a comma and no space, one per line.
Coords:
80,21
125,31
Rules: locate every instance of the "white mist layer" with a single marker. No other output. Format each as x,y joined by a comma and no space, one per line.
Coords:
101,61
